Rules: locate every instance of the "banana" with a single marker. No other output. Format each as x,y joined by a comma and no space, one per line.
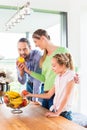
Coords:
16,101
12,94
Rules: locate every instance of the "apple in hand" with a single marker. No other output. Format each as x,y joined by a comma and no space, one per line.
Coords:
24,92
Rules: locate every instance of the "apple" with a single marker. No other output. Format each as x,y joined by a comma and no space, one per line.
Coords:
24,103
6,99
25,92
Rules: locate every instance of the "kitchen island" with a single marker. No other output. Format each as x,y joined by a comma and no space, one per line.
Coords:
33,118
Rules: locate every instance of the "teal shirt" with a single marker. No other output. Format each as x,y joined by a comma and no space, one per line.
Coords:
48,76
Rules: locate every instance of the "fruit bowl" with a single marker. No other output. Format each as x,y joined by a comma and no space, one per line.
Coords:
15,101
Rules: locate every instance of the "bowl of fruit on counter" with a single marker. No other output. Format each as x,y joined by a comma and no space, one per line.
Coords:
15,101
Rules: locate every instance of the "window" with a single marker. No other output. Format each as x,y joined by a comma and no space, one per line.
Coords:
8,43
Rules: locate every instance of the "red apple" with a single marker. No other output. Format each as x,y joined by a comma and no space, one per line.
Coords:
6,99
24,103
25,92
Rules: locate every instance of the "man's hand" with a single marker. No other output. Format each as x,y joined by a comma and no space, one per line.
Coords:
20,67
20,63
27,70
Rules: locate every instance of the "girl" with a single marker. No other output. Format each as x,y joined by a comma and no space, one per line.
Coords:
63,87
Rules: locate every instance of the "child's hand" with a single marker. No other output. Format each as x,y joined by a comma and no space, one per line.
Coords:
24,93
51,114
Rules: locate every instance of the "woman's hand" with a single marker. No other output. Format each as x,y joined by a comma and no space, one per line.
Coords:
76,78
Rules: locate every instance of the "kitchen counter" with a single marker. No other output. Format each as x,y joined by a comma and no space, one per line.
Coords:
33,118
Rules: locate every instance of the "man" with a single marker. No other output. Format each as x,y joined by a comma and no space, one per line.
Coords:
32,58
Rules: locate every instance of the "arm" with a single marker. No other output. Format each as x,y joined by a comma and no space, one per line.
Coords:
44,95
22,79
36,72
65,98
77,78
20,67
20,72
38,76
35,75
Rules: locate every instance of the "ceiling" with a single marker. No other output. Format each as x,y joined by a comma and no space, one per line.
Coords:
37,19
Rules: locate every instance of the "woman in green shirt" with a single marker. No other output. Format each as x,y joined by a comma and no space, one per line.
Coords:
42,40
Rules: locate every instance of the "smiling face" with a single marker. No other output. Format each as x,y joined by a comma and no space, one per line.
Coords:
23,49
40,42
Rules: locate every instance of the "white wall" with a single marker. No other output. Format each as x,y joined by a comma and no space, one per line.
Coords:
61,5
74,29
83,23
77,29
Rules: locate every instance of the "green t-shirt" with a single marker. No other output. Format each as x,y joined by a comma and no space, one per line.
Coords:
48,76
